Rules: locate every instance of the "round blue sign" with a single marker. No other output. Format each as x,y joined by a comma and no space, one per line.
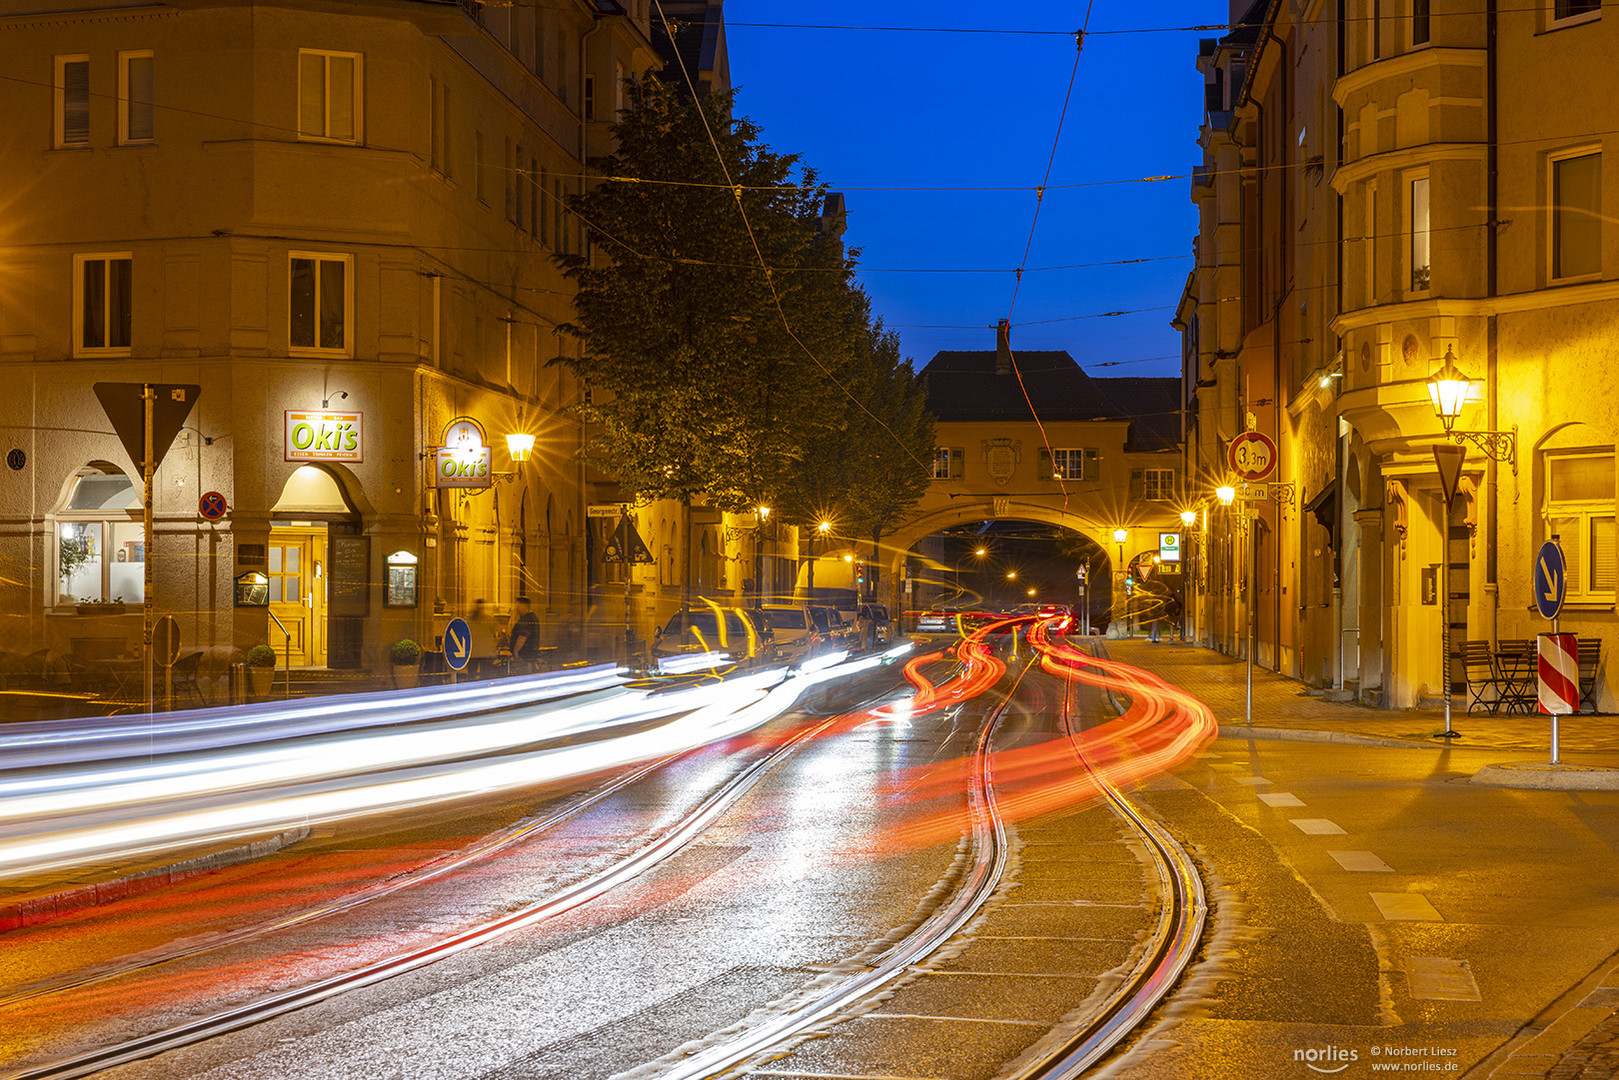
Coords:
457,644
1551,579
212,505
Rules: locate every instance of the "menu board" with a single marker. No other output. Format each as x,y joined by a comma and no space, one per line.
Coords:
351,576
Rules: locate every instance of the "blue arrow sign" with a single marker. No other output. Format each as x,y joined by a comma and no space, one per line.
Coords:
1551,579
457,644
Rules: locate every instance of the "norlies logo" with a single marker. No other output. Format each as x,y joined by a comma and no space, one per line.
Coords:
1328,1059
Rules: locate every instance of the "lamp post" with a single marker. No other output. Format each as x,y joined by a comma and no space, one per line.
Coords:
1226,493
977,553
759,555
1188,571
820,533
1449,389
1119,537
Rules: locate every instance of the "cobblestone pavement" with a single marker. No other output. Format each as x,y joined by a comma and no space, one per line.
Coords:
1283,702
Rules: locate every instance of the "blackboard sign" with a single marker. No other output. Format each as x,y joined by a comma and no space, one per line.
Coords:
351,576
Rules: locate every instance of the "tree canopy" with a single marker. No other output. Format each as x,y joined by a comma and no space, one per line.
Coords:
711,374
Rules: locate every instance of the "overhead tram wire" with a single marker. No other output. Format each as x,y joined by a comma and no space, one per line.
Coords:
1056,140
770,282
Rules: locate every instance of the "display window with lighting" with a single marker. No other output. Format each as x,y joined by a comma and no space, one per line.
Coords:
1579,511
401,580
100,542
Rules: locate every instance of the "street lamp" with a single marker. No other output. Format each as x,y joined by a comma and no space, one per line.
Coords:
519,444
1119,537
759,554
822,530
1449,390
1190,570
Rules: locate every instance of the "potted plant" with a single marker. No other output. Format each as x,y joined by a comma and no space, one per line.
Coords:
96,606
260,671
405,657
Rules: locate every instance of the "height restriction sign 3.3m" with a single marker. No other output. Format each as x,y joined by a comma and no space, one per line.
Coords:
1252,456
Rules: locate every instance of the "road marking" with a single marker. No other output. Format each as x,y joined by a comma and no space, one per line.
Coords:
1252,781
1405,907
1361,861
1433,978
1317,826
1281,798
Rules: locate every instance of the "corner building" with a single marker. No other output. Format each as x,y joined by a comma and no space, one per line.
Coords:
1386,186
337,222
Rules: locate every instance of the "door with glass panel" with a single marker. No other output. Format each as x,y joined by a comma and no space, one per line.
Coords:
297,557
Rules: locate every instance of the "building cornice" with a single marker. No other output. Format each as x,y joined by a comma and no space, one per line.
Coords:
1409,157
1404,66
87,15
1592,292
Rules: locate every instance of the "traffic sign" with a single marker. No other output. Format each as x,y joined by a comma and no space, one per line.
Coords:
1252,455
457,644
1254,493
606,510
125,406
1559,674
1551,579
212,505
626,545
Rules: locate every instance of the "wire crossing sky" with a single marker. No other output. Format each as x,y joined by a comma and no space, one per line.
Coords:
895,109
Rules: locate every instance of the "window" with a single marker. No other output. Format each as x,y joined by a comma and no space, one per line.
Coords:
1158,484
1573,9
1580,512
941,463
590,97
1420,22
329,88
1419,234
135,123
1070,464
435,126
318,302
543,193
480,171
72,101
101,304
100,549
512,213
1576,227
531,179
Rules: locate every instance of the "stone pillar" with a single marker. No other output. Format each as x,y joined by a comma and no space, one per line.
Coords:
1370,523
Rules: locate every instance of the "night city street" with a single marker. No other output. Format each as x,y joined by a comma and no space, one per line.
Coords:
696,539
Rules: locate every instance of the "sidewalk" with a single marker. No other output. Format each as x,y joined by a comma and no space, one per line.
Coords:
1577,1037
1286,708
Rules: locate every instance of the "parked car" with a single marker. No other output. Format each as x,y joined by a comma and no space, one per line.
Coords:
882,627
942,621
801,630
736,634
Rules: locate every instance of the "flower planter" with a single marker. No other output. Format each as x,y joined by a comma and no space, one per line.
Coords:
259,681
99,609
406,676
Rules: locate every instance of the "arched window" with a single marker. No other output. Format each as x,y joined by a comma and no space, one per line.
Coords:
100,543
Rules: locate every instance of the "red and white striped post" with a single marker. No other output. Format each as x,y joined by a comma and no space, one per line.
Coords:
1559,679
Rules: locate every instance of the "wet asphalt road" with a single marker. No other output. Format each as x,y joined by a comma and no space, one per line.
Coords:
1362,898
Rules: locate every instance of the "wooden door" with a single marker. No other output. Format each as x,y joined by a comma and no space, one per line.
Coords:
298,594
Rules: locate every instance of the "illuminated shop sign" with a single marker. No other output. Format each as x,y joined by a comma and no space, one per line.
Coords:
318,435
463,461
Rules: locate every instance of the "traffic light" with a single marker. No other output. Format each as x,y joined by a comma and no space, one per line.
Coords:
1129,585
860,575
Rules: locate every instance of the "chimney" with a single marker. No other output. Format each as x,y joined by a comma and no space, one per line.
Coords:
1003,348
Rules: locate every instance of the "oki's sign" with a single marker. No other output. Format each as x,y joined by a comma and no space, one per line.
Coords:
463,461
318,435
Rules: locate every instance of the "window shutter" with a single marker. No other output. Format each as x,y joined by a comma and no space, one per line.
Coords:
76,103
312,94
343,106
140,99
1602,554
1046,470
1138,484
958,462
1091,468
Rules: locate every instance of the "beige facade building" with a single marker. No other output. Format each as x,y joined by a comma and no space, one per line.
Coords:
1383,187
337,225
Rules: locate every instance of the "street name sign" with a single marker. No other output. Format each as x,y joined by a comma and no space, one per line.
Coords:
457,644
1551,579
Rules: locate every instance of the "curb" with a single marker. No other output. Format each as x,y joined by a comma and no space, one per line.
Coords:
38,909
1548,777
1243,731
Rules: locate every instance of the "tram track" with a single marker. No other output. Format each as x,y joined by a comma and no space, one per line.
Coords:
568,898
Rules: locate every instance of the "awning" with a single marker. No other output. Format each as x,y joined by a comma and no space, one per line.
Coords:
1325,507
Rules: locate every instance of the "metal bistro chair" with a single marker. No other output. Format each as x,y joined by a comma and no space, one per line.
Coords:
1516,663
1482,676
1590,660
185,675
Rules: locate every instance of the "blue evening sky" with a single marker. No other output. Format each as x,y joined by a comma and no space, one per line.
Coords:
911,110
